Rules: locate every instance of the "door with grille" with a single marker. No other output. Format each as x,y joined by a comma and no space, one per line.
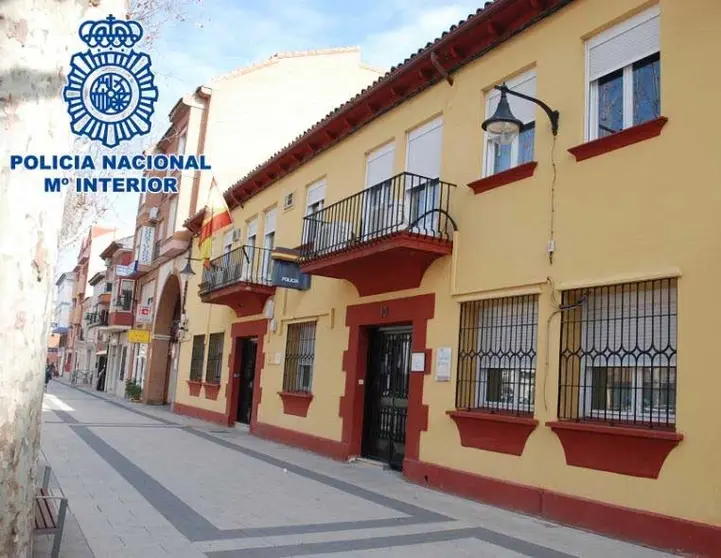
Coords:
386,399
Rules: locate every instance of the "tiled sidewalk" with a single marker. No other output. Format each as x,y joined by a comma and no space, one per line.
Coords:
144,482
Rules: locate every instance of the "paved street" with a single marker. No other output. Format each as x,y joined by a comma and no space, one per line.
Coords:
142,482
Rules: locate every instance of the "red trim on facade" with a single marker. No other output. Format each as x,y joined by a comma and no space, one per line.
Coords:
661,531
629,136
197,412
493,431
194,387
211,390
323,446
245,299
636,452
359,319
514,174
255,328
296,403
368,266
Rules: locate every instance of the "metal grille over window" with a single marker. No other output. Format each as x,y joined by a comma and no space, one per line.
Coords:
215,358
618,354
497,355
196,359
299,357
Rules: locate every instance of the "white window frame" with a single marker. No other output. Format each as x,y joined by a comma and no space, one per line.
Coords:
182,142
591,124
489,151
313,207
228,241
172,215
637,413
269,224
482,401
626,361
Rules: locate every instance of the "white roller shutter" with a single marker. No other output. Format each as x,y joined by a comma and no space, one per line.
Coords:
269,221
424,150
252,228
524,110
316,193
623,44
379,165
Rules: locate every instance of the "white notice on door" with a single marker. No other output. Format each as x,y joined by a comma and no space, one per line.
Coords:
443,364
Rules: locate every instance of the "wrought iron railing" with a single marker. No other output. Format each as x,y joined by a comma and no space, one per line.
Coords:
125,301
247,264
99,318
407,202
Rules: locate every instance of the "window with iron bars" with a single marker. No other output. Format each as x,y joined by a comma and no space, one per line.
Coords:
197,357
299,357
215,358
618,354
497,355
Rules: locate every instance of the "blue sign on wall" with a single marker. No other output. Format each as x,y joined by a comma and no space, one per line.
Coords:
289,276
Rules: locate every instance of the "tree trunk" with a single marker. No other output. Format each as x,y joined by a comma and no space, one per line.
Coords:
36,40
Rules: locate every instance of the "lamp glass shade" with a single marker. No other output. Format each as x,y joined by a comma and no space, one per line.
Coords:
503,127
187,270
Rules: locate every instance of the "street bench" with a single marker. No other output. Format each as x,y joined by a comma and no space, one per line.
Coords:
50,514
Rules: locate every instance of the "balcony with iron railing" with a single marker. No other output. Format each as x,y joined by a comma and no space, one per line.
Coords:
240,279
99,318
381,239
121,315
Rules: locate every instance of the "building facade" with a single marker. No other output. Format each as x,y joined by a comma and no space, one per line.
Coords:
88,265
62,320
118,257
236,121
524,318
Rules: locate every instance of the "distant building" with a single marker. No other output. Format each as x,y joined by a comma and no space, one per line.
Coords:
61,322
237,120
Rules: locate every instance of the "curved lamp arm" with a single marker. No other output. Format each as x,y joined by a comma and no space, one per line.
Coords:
552,114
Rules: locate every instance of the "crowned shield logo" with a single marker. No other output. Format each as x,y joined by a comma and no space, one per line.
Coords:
110,90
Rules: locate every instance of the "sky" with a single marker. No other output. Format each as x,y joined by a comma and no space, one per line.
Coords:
218,36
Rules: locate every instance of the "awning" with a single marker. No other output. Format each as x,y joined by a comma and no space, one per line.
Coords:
61,330
101,353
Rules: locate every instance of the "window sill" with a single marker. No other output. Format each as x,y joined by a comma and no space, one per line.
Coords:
497,432
515,174
194,387
629,136
296,403
636,452
211,390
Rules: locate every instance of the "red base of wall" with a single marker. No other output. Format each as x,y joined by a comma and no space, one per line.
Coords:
669,533
202,414
324,446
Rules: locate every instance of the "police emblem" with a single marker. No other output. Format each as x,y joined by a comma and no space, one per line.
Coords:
110,90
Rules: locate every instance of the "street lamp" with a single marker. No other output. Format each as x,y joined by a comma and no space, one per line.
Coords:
188,269
503,127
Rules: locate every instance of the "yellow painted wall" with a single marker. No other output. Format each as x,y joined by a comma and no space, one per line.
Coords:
644,211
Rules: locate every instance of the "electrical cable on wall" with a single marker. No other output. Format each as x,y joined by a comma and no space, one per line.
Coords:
552,239
559,308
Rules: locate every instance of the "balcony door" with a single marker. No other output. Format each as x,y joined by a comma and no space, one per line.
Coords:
378,199
268,245
248,257
423,161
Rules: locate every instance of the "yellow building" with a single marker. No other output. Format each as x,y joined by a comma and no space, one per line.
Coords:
499,295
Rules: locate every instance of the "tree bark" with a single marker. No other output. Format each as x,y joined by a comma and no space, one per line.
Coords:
36,40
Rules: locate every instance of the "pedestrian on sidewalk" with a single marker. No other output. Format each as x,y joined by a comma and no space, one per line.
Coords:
48,374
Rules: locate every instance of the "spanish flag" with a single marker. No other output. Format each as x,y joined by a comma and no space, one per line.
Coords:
216,217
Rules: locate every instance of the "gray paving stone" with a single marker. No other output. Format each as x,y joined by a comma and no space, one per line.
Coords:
144,482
